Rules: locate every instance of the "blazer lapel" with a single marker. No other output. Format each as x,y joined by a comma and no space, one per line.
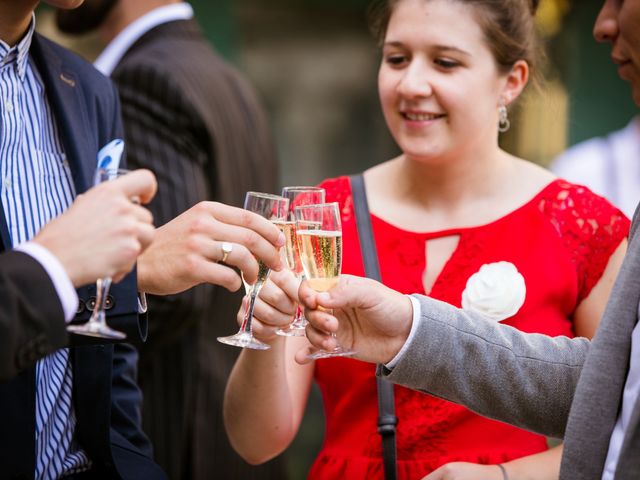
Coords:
598,395
69,110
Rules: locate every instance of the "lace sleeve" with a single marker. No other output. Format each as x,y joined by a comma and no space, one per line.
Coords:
339,190
591,228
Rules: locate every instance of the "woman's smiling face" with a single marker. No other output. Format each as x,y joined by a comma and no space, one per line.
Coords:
439,84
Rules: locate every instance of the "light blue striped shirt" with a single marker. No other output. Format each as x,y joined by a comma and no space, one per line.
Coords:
36,186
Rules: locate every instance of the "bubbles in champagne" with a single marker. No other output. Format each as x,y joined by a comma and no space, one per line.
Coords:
290,250
321,256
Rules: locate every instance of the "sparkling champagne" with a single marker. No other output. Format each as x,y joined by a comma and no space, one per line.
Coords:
290,249
321,257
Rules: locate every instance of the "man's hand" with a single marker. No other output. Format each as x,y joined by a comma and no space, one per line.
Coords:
187,250
368,317
103,232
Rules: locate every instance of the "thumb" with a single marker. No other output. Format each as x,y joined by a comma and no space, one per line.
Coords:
348,293
140,184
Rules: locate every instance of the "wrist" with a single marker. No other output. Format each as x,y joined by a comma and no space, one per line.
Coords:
402,330
144,276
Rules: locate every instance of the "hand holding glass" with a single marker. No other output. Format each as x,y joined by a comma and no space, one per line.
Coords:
297,196
274,208
97,324
320,241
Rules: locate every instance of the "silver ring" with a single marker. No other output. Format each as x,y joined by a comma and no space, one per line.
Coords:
226,248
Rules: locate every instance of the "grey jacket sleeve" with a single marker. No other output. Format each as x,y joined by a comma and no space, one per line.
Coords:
524,379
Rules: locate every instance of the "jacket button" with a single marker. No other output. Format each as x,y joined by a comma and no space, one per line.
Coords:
81,307
109,303
91,303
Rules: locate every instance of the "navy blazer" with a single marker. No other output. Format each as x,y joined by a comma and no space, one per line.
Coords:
106,398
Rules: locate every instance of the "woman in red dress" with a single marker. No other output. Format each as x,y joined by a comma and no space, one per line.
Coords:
454,217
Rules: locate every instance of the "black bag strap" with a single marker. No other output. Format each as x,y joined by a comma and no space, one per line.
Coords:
387,419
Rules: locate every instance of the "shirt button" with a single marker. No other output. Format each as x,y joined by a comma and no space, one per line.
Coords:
6,182
9,106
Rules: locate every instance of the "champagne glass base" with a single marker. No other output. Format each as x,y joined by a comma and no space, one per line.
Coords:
292,330
244,340
97,330
336,352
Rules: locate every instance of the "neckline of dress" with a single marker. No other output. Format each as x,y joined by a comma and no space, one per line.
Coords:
460,230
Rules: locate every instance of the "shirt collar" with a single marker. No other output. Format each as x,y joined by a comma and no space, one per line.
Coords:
18,53
110,56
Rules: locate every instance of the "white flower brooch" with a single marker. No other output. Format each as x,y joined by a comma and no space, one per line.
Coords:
496,291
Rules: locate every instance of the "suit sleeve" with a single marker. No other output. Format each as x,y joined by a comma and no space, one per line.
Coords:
31,316
527,380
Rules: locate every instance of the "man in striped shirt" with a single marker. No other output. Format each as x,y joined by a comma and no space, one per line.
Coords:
77,412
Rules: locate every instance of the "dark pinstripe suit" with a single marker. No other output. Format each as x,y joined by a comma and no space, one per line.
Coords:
197,124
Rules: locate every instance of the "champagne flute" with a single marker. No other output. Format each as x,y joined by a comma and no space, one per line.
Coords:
297,196
97,324
274,208
320,242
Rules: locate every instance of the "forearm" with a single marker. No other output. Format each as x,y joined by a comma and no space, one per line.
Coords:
264,401
541,466
527,380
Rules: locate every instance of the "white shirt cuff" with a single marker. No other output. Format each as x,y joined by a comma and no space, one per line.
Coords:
55,270
416,318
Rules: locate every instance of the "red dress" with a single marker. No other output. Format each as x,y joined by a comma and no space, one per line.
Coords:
560,241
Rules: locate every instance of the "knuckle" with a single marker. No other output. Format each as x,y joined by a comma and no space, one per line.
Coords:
246,217
196,225
191,262
192,245
250,239
200,207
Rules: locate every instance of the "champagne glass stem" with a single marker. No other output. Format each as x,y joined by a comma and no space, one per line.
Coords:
103,286
248,315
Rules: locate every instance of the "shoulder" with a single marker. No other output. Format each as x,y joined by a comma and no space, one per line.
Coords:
84,73
175,49
337,188
589,227
96,94
184,72
562,198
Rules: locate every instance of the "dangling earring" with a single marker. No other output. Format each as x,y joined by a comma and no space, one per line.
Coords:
503,119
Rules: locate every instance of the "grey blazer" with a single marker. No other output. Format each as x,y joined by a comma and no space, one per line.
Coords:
561,387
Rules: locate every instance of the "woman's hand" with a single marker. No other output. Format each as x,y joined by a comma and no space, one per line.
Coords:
275,305
466,471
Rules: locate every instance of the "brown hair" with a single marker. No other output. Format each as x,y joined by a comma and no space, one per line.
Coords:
508,26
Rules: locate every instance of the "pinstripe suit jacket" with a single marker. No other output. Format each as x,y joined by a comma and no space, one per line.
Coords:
561,387
106,399
194,121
